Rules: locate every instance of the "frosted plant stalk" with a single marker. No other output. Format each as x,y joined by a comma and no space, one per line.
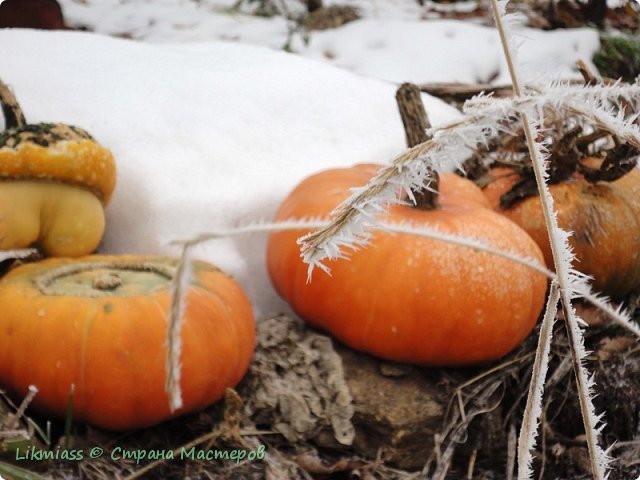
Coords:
450,146
582,290
562,258
179,287
533,409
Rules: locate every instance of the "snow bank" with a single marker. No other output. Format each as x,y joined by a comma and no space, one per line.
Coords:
205,135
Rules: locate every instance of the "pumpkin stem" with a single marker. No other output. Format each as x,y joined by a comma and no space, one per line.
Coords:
106,281
416,122
588,76
13,115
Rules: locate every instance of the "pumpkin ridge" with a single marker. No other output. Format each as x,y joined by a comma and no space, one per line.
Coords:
198,267
389,265
87,323
232,372
164,311
234,328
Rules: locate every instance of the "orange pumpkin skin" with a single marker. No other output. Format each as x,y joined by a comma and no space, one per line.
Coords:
111,345
407,298
605,219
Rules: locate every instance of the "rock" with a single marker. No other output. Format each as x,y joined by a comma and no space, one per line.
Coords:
396,416
311,389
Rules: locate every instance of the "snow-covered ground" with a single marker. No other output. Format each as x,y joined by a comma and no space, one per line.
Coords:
210,134
390,42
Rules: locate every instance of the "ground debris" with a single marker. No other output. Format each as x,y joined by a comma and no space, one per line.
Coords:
297,383
404,422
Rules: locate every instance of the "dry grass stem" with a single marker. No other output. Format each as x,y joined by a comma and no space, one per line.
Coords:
13,423
511,451
616,315
179,286
315,242
472,464
562,259
533,409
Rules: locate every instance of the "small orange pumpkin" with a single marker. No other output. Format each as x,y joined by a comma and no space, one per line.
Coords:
408,298
603,216
99,323
55,181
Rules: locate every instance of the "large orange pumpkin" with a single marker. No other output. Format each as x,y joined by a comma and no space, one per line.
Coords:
603,216
100,323
408,298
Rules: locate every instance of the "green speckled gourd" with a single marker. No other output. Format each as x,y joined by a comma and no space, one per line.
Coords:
55,181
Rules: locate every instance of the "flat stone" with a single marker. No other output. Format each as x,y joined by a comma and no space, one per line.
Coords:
395,416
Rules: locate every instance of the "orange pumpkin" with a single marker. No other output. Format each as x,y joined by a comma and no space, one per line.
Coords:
99,323
604,218
408,298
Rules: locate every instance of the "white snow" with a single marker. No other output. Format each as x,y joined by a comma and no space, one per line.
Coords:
391,42
205,135
211,134
175,21
446,50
